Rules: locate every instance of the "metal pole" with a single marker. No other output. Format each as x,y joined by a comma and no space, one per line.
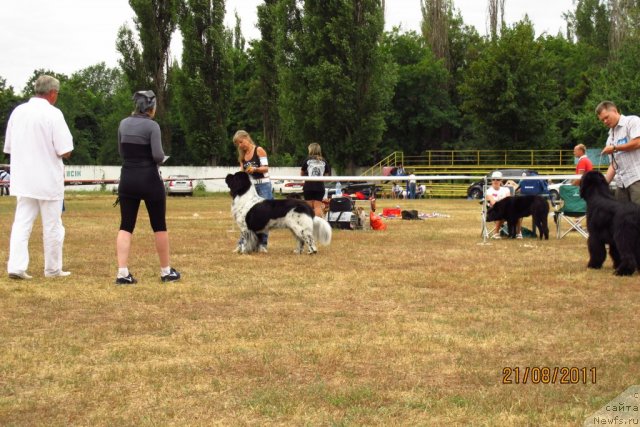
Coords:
485,231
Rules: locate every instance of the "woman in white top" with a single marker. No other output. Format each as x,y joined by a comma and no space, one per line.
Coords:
495,193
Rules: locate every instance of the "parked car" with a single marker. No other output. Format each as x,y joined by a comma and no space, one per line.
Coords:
554,190
475,190
179,184
282,186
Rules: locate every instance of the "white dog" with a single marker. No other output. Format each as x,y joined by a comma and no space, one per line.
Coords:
254,215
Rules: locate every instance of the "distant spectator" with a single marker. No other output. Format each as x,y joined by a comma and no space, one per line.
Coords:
411,186
314,165
396,191
584,164
421,191
4,186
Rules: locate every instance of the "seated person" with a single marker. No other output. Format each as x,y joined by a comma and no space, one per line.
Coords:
396,191
495,193
421,191
4,186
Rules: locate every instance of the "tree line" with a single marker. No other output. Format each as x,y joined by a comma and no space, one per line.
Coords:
328,72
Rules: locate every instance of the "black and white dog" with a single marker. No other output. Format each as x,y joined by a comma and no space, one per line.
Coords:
253,214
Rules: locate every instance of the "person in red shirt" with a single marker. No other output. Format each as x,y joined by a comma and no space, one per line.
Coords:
584,164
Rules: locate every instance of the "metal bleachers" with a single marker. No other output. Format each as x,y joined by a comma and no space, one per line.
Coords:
475,162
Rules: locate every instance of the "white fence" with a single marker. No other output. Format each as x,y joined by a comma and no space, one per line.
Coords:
94,173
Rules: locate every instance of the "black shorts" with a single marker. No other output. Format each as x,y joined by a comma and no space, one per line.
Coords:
137,184
313,195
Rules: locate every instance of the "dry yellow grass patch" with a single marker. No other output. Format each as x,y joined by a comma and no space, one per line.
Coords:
411,326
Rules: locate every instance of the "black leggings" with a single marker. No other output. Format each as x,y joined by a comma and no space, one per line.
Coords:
129,213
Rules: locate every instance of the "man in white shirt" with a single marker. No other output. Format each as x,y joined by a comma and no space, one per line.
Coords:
37,140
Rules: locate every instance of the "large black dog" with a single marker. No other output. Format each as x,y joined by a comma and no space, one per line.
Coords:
512,209
610,222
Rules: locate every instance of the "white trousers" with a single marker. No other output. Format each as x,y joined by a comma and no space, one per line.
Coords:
27,210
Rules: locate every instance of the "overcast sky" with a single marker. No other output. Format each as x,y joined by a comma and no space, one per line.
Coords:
68,35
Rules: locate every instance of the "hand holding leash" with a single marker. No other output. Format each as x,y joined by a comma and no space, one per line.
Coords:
609,149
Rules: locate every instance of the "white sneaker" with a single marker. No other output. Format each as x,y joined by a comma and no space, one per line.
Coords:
20,276
519,236
58,273
496,236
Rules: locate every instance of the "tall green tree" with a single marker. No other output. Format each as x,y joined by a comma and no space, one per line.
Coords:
421,106
94,101
510,95
435,26
617,82
146,64
340,82
205,80
8,101
495,12
590,24
574,70
244,104
265,88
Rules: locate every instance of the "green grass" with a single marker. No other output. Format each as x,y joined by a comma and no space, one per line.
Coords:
410,326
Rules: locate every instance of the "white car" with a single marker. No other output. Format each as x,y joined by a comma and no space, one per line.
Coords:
179,184
554,190
282,186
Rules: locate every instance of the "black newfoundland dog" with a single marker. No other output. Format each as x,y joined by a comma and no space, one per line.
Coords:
610,222
513,208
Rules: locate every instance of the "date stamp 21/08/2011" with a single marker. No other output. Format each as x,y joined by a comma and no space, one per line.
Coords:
549,375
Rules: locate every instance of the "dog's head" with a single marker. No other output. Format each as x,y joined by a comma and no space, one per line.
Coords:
239,183
592,183
496,212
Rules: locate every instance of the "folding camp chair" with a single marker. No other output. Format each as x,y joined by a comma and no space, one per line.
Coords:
572,209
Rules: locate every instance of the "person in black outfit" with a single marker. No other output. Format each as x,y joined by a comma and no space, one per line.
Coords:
140,147
315,165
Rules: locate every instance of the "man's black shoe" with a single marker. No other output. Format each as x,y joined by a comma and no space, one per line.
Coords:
171,277
129,280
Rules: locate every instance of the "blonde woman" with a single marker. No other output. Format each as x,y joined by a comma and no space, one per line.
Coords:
253,160
315,165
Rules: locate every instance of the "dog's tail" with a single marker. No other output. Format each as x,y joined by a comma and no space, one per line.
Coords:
321,231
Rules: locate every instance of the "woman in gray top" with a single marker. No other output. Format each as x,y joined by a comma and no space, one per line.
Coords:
140,147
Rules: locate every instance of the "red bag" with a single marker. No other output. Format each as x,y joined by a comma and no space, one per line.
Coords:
376,222
392,212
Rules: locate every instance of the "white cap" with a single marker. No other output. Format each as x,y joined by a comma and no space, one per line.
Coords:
496,175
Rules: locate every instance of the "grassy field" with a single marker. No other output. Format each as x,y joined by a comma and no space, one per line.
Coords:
411,326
